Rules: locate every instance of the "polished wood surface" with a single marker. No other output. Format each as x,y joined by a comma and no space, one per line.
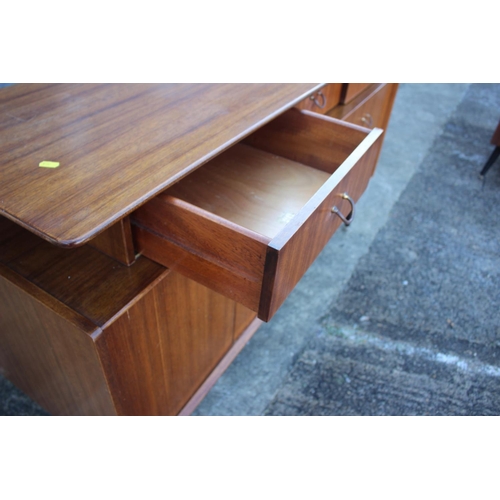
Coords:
117,242
371,108
242,319
117,145
126,340
83,279
215,252
221,367
308,138
324,99
47,350
228,281
158,353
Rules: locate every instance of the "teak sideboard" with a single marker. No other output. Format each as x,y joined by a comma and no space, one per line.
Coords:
147,230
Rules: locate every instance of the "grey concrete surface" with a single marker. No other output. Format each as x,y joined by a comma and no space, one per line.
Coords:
250,383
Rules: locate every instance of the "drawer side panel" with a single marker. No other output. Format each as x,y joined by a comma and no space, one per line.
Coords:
209,273
204,234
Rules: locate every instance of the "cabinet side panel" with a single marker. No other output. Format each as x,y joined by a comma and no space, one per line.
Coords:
46,355
159,352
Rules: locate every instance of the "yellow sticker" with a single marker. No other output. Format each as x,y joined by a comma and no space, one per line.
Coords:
49,164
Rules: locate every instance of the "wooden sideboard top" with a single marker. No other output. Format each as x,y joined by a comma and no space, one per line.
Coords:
117,145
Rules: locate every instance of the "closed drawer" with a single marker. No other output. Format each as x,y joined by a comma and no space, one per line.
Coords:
371,109
250,222
323,100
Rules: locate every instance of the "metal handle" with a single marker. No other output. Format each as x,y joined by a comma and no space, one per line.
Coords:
346,220
323,100
367,120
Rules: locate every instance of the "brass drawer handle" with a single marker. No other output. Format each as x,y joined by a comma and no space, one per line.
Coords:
367,120
346,220
323,100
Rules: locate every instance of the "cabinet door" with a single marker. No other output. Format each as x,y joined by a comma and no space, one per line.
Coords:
243,317
159,351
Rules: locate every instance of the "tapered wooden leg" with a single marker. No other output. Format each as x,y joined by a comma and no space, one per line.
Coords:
491,160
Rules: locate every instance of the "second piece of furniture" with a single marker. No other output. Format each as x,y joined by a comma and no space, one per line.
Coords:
495,140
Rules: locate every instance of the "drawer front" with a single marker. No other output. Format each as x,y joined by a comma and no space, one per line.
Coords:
260,269
352,90
371,108
324,100
289,256
374,111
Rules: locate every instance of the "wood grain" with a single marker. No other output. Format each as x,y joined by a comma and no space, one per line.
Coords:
370,108
161,350
202,246
228,281
83,333
292,252
373,105
242,319
116,242
252,188
206,234
221,367
47,350
85,280
117,145
308,138
247,186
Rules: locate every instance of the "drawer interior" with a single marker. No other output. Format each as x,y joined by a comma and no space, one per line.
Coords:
250,221
261,185
252,188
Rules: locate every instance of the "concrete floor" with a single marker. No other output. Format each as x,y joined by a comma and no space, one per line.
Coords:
250,383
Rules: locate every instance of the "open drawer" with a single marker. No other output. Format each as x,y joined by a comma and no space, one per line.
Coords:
250,222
